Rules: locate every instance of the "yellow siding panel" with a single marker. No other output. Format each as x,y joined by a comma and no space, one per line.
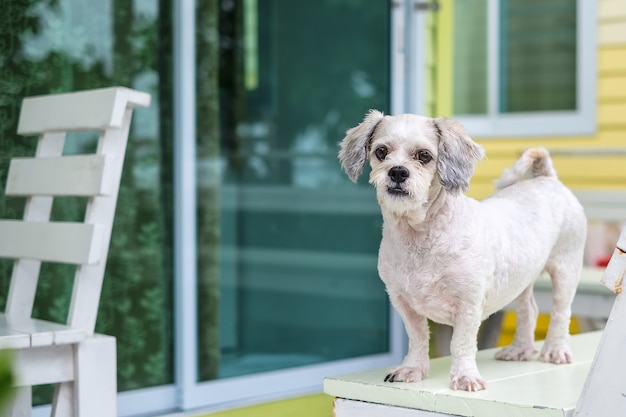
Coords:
612,60
577,172
612,138
611,10
498,148
612,34
592,169
612,115
612,88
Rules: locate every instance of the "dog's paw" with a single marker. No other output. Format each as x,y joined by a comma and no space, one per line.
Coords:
556,354
406,374
516,353
472,383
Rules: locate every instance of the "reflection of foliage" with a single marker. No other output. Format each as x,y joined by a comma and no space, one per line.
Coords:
135,300
363,77
321,66
208,192
325,73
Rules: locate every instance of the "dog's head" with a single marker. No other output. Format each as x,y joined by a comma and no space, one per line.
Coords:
412,157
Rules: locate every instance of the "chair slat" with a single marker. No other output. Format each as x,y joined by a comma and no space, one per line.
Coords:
83,110
10,338
46,333
74,243
82,175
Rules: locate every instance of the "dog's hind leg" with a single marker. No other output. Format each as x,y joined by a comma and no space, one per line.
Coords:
416,363
564,274
522,348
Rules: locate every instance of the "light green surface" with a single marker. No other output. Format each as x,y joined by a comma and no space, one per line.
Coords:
318,405
527,389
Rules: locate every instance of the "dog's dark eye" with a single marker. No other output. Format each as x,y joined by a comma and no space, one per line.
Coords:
423,156
381,153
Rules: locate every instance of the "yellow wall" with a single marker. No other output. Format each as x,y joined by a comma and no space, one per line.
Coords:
578,172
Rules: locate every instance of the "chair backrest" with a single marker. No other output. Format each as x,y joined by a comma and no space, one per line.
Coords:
50,174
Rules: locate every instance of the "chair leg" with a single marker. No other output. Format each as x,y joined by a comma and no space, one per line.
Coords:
63,400
21,403
94,390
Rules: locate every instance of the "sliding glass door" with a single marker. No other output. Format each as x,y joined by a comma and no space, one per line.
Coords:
286,244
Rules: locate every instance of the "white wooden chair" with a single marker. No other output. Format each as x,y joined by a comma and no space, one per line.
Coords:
81,363
594,385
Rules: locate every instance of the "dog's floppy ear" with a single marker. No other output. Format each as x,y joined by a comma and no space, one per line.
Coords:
353,152
458,155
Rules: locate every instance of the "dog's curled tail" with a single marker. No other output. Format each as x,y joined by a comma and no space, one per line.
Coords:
535,162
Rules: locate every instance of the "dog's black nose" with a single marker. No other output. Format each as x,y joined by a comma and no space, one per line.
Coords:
399,174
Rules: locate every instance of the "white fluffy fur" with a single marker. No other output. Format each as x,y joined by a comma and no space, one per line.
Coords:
454,260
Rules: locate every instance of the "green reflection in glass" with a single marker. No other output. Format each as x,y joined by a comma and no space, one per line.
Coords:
296,281
470,57
538,62
49,46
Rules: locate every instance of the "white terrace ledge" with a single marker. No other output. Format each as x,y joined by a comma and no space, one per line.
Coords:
514,389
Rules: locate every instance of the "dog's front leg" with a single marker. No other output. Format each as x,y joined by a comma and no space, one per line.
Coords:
416,363
464,372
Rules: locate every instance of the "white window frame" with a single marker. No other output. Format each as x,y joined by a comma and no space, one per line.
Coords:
581,121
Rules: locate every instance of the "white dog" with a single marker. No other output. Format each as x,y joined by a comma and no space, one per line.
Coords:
454,260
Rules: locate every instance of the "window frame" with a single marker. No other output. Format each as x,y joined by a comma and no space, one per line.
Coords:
579,122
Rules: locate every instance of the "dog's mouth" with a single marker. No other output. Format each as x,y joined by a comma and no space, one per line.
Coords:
397,190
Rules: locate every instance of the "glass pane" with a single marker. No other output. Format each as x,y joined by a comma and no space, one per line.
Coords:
538,55
288,272
59,46
470,57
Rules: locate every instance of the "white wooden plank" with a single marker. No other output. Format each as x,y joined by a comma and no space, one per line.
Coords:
44,365
21,403
11,338
38,332
74,243
45,333
529,389
82,175
96,363
83,110
63,402
603,392
350,408
100,210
